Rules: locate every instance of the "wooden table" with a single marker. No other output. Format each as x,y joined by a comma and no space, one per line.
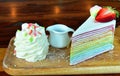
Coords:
2,54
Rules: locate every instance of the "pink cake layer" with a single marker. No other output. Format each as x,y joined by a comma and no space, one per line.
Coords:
92,33
91,38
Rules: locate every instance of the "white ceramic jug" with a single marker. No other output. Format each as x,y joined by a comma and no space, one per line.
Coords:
59,37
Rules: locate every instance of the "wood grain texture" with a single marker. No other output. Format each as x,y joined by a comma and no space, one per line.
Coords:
45,12
57,62
2,54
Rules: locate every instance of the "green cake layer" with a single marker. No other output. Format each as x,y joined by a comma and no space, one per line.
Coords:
91,45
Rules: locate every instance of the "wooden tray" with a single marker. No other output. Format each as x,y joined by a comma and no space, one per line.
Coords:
57,62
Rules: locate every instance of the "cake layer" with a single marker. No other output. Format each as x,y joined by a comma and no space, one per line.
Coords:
91,38
89,54
92,33
91,44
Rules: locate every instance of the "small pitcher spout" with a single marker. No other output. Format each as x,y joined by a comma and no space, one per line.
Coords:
69,29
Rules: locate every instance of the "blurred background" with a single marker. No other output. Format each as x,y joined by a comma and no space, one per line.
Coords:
45,12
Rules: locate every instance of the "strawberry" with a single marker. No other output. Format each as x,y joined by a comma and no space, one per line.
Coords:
106,14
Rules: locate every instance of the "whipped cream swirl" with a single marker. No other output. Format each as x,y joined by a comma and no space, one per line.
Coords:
31,43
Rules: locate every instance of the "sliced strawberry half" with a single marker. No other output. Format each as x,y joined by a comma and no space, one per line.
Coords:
106,14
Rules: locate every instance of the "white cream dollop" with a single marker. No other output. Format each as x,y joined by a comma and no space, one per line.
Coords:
31,42
94,10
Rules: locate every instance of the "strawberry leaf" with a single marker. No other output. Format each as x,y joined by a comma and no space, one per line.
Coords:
113,9
117,13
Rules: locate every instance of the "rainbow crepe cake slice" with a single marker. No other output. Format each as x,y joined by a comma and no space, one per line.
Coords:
93,37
